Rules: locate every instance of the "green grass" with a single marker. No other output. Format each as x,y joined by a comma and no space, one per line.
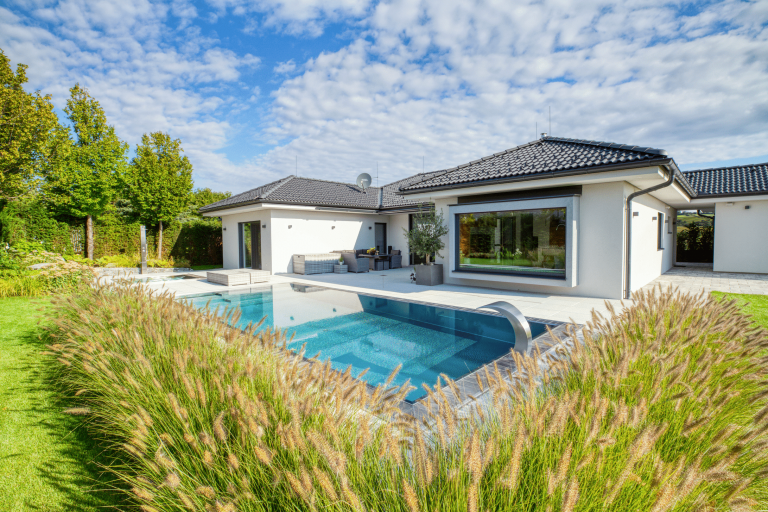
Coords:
205,267
755,305
46,458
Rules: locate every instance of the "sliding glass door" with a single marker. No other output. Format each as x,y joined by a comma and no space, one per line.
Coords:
250,244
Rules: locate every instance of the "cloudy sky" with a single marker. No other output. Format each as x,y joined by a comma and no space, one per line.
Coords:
258,88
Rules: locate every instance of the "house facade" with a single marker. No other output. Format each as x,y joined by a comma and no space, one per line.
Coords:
559,216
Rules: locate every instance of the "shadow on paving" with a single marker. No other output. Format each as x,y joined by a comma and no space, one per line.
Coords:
67,461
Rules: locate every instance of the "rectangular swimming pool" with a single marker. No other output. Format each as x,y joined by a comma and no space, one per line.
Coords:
372,332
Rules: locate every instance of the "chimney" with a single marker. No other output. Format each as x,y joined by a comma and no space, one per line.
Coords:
544,135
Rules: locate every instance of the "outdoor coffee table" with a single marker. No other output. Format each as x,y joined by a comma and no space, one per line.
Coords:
379,261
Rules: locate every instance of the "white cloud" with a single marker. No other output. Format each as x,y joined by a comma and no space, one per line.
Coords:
296,16
119,52
285,68
450,80
455,80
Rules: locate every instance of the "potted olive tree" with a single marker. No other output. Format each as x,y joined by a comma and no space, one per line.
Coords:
426,239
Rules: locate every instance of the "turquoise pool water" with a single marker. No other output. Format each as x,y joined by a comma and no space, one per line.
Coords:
372,332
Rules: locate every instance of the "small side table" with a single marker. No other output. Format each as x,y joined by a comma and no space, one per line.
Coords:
340,269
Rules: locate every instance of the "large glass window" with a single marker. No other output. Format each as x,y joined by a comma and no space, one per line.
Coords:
515,242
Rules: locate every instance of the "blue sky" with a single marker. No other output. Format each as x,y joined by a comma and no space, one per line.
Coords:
249,85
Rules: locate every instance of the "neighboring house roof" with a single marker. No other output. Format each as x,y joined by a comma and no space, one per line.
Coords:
309,191
541,159
730,181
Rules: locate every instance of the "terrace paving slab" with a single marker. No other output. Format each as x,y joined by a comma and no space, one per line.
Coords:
704,279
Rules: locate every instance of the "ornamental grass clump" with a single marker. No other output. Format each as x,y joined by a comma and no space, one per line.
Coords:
662,406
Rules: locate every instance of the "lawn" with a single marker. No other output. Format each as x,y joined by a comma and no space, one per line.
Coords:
47,458
205,267
755,305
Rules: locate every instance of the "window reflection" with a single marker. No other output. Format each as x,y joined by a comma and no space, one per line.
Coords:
520,241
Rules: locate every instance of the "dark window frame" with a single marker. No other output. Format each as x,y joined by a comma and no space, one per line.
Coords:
533,274
660,232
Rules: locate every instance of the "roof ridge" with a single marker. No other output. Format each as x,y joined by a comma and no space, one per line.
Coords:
330,181
612,145
279,183
726,168
456,168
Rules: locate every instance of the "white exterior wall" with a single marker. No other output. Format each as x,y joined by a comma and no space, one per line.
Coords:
231,241
741,237
600,247
310,231
599,243
317,232
395,236
648,262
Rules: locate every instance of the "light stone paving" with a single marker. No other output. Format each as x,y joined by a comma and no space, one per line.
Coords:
396,284
701,278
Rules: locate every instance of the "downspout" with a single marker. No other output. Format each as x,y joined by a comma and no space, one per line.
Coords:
628,262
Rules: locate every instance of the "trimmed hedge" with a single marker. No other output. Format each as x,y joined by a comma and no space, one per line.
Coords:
198,241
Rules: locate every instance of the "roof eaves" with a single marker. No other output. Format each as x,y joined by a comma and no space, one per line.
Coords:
545,174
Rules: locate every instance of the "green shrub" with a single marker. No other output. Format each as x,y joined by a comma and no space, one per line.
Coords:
30,224
663,406
22,286
17,280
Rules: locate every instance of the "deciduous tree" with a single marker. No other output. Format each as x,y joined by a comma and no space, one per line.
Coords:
31,138
87,181
160,181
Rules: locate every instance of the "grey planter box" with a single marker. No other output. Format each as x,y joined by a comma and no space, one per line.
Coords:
340,269
429,275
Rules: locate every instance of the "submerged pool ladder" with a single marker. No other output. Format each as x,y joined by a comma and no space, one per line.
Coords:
523,339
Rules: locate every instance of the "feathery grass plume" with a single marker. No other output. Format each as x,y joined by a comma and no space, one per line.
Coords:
208,458
172,480
186,501
473,458
352,499
218,428
143,494
233,461
206,491
263,454
411,499
78,411
511,475
325,483
472,498
571,495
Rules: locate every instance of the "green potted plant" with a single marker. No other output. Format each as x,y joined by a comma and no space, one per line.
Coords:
341,268
426,239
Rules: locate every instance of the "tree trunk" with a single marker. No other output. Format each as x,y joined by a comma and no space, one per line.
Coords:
89,237
427,259
160,243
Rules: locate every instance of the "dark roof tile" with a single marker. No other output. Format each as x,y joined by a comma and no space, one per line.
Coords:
546,155
723,181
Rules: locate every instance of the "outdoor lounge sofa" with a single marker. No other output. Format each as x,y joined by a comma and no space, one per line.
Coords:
238,276
396,260
314,263
353,261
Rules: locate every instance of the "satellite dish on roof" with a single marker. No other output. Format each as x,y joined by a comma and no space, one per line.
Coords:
364,181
